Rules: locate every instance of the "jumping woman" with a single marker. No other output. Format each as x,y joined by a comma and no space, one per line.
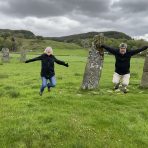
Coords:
47,68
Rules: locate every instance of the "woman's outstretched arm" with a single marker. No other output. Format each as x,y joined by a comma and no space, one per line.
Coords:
60,62
34,59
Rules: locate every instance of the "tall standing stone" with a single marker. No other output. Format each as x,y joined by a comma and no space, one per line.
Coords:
13,48
5,55
144,81
23,55
94,64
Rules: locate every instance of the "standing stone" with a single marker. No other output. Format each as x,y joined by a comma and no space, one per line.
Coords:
5,55
23,55
144,81
94,64
13,48
85,43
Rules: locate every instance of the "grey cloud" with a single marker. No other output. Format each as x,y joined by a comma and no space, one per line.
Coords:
45,8
33,8
129,16
132,6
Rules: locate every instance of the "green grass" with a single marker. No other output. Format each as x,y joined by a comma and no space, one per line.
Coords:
68,117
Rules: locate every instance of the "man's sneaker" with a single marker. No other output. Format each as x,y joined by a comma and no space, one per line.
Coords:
40,93
116,86
117,90
124,89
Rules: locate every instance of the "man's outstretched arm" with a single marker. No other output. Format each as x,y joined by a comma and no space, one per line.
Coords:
109,49
133,52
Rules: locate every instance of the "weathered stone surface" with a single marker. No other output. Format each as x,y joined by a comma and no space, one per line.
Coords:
13,48
145,68
5,55
144,81
94,64
85,43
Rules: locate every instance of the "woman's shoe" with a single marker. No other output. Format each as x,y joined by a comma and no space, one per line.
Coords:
40,93
49,89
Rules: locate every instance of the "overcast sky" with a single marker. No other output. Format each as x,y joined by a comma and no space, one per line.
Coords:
65,17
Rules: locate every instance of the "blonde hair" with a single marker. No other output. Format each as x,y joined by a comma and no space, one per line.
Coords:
48,49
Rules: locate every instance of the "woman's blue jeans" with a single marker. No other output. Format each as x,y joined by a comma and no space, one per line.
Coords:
45,83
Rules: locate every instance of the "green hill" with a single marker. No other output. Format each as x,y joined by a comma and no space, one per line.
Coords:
17,33
75,38
60,48
39,44
72,42
71,38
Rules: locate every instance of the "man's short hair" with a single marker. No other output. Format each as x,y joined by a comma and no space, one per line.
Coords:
123,45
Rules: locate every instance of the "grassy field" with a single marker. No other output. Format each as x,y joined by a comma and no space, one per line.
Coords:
68,117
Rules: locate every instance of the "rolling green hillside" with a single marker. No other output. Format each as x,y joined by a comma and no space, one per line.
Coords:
60,48
89,35
27,39
17,33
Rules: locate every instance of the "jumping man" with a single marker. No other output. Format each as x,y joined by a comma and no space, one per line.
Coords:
122,64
